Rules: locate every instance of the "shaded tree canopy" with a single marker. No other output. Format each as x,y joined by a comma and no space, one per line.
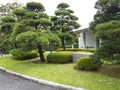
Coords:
35,6
106,10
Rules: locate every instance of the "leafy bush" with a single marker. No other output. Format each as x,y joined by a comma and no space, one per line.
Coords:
77,49
88,63
19,54
59,57
109,51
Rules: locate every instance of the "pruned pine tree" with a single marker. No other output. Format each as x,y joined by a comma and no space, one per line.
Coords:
32,27
64,22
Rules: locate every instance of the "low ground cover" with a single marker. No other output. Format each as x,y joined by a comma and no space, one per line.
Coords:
66,74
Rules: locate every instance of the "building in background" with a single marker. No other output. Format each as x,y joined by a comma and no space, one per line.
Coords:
86,39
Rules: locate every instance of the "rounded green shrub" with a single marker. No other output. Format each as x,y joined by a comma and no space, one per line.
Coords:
19,54
59,57
88,63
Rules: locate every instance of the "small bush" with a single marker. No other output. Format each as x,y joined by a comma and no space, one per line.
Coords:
88,63
19,54
59,57
76,49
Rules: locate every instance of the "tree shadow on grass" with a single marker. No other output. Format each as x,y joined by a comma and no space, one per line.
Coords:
110,70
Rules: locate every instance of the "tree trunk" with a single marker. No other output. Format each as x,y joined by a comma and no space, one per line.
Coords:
1,54
63,43
97,42
15,45
42,59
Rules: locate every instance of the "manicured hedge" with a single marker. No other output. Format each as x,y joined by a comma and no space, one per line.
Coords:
76,49
47,47
19,54
59,57
88,63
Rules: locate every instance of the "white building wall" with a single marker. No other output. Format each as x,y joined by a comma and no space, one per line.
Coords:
90,39
87,40
81,40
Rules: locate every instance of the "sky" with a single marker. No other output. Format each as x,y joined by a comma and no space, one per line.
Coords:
83,9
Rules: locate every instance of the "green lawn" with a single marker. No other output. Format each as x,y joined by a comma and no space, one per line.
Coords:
63,73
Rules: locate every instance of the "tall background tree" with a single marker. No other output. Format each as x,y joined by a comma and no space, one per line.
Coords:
6,29
107,10
7,21
64,23
107,27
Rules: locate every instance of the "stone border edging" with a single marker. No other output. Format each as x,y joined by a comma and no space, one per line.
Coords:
43,82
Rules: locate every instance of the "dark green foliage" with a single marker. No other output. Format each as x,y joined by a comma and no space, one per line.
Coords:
62,6
20,54
7,24
77,49
21,27
108,30
43,15
109,51
32,15
63,21
88,63
6,28
5,46
110,47
59,57
106,26
107,10
35,6
69,10
19,12
73,17
62,12
8,19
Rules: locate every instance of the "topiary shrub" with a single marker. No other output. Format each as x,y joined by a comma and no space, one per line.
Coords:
59,57
19,54
88,63
33,54
47,47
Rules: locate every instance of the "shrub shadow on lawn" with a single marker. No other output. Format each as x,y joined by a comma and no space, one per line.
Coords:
106,69
110,70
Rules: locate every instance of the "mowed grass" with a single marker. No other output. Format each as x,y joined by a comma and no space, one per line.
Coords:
62,73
